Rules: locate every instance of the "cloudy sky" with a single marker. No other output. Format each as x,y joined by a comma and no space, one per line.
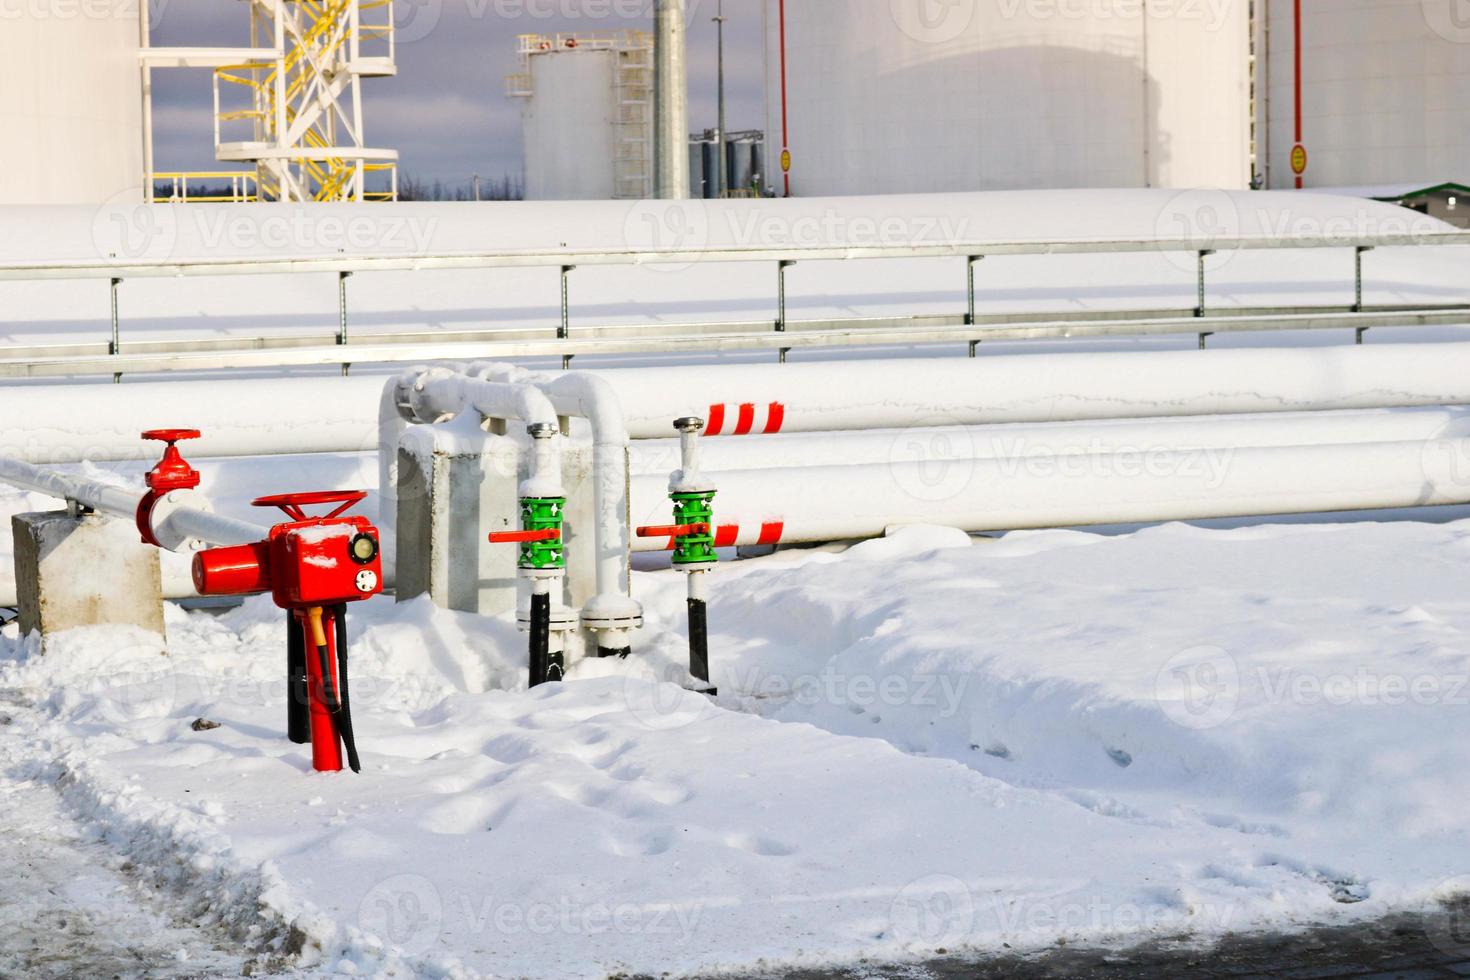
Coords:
446,112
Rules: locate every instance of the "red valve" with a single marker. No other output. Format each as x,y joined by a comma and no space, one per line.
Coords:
291,503
524,537
674,531
170,473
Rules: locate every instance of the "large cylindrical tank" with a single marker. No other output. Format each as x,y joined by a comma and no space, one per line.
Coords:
890,96
569,125
1385,93
71,103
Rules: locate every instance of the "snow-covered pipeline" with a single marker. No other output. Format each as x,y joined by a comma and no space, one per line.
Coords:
180,517
68,423
1002,493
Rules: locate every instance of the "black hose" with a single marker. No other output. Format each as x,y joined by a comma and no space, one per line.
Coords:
698,640
344,715
298,705
540,655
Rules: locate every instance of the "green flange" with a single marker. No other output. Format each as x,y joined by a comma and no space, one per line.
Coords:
695,508
543,514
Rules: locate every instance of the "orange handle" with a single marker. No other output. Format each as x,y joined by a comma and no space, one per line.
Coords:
674,531
524,537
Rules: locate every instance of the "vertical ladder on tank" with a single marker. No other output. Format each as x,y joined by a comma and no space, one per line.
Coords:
633,166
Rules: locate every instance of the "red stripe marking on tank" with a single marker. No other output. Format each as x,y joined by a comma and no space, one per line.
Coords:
771,532
727,535
746,421
775,418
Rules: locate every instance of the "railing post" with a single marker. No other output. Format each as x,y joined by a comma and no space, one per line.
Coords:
1358,288
1199,309
564,331
114,345
970,296
781,266
1204,253
342,315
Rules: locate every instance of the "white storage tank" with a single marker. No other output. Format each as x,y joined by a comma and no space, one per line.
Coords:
586,115
909,95
1385,92
71,103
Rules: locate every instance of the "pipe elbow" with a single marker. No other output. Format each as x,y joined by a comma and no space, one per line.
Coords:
594,399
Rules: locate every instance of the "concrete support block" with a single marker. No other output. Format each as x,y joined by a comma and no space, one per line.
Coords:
73,571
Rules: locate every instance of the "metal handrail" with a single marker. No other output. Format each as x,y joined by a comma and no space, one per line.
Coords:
780,334
539,258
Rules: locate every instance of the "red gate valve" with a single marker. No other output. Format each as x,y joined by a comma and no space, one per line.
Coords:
312,567
170,473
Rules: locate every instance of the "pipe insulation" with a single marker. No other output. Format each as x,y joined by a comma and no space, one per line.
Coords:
829,396
1019,441
830,503
101,423
173,520
70,423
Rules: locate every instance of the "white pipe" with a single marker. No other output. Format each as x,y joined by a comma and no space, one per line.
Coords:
174,523
843,502
846,395
590,397
70,423
1018,441
430,395
54,424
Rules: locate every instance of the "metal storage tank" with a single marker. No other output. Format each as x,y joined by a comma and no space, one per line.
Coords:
587,118
1385,92
71,103
909,95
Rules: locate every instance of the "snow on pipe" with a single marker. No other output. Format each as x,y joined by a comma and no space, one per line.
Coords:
72,423
175,521
493,390
848,395
845,502
57,424
1021,441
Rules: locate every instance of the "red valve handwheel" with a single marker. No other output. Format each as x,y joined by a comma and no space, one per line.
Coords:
291,503
171,435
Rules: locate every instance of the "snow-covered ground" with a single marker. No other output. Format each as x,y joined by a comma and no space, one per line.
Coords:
925,742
